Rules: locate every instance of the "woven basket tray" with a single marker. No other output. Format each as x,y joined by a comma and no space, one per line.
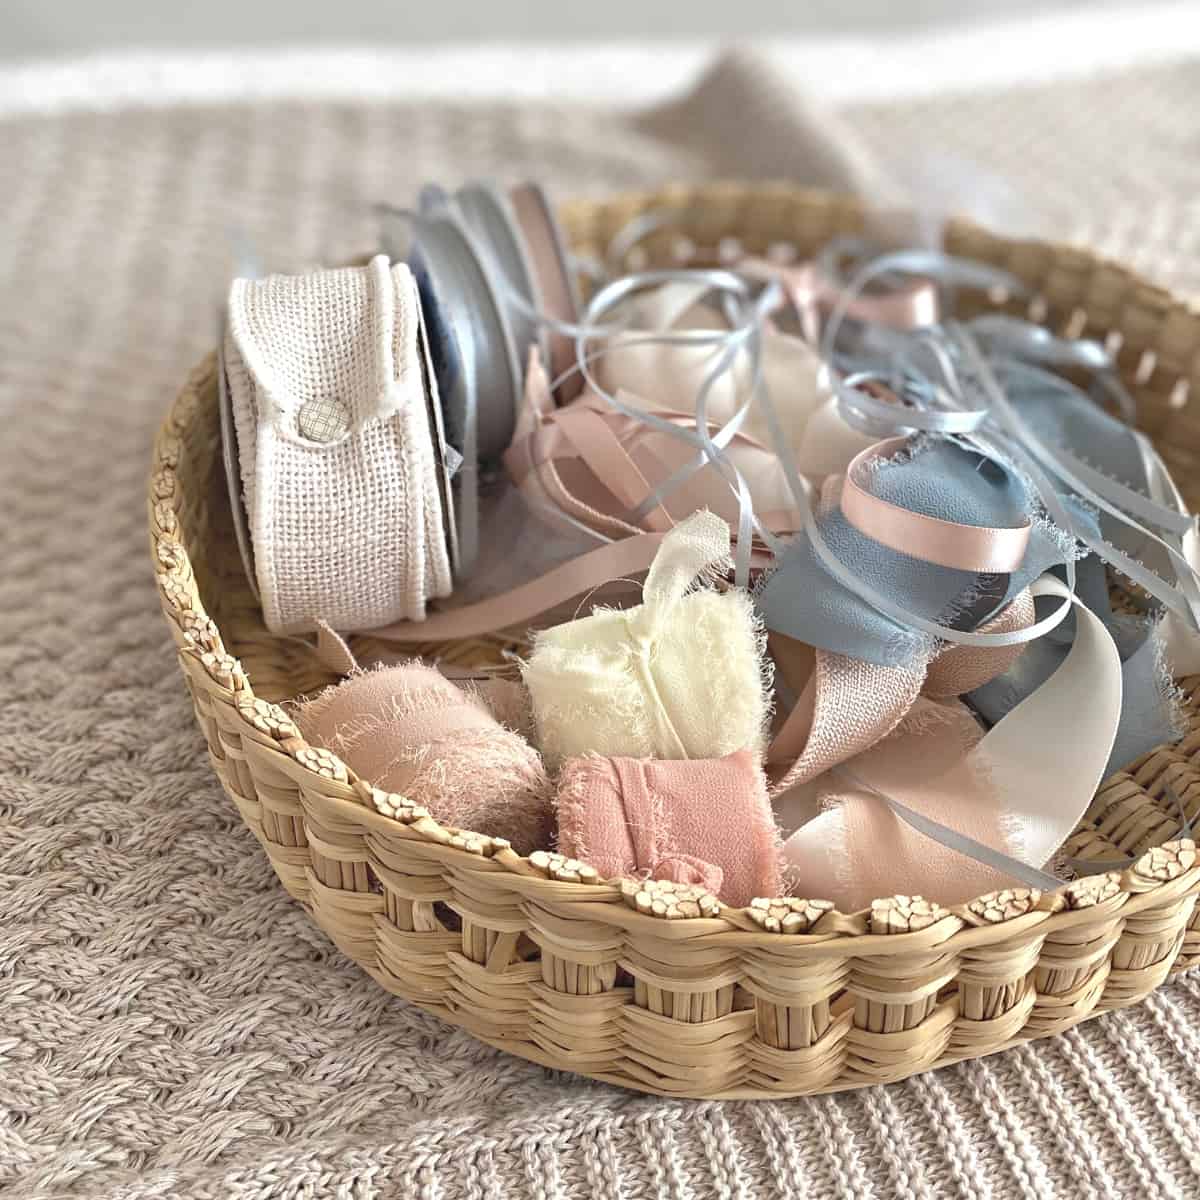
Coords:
785,997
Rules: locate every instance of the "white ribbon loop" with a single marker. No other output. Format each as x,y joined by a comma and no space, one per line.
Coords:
695,549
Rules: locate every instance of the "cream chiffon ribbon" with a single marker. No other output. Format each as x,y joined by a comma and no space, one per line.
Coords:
679,676
1019,791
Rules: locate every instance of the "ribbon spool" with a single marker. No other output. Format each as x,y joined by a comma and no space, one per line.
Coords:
473,358
490,218
323,381
556,281
411,731
471,338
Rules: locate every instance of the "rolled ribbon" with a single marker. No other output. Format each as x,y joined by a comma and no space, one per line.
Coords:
327,387
812,290
837,610
678,676
407,729
967,398
705,821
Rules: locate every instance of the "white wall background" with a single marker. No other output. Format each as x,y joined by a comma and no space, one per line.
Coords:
46,28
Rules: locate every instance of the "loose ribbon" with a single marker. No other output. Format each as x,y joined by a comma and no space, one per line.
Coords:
974,548
992,814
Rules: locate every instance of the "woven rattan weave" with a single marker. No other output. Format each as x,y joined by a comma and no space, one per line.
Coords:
663,990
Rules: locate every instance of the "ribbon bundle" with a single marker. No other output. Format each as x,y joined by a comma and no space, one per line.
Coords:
920,514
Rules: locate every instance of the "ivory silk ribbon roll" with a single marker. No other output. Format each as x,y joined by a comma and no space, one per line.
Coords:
669,376
678,676
1019,790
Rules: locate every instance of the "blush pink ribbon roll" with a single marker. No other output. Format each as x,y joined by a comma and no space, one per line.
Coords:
409,730
705,821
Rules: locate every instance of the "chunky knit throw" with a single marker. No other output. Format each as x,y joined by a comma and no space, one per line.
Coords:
175,1030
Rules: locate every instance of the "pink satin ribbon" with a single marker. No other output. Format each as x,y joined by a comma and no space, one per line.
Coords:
973,548
913,304
591,431
517,608
543,242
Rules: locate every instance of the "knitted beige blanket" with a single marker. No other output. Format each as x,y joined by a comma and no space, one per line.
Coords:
171,1024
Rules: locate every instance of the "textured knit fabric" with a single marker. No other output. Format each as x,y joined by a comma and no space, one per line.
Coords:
172,1023
705,821
347,530
411,731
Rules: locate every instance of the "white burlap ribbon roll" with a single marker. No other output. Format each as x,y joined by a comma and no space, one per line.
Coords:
332,407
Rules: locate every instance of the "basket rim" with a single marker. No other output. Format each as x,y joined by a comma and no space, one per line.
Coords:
893,924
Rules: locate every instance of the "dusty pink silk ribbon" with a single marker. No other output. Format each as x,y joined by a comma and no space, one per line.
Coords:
705,821
1018,790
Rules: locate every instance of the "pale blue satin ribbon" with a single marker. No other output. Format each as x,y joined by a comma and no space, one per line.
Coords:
745,336
974,409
